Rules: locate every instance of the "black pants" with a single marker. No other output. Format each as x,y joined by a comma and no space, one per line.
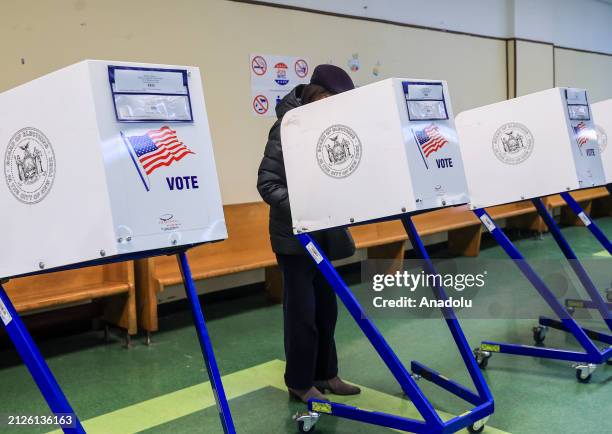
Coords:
310,314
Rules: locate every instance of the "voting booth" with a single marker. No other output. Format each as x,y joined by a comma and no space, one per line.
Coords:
532,146
97,164
524,148
377,151
383,151
106,161
536,145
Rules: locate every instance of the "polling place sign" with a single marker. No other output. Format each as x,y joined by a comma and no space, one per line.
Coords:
273,77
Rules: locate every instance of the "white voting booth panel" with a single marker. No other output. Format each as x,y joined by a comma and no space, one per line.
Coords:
602,116
530,146
377,151
102,159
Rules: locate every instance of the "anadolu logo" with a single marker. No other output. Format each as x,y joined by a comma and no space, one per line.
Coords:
281,73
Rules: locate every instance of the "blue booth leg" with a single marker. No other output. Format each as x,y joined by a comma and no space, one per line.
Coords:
590,224
431,423
37,366
451,321
206,345
593,334
592,354
597,299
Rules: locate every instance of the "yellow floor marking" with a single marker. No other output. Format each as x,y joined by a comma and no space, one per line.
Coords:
174,405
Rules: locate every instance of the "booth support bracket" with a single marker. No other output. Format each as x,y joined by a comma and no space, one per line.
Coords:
206,345
591,355
588,222
596,298
34,361
432,423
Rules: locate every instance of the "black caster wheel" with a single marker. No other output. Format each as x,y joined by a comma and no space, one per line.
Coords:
302,427
306,421
482,358
478,426
582,377
539,334
472,428
482,364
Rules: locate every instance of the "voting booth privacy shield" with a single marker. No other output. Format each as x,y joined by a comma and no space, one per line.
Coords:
89,171
380,152
524,148
531,146
602,115
106,161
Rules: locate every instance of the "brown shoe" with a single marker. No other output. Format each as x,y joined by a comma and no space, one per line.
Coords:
337,387
305,395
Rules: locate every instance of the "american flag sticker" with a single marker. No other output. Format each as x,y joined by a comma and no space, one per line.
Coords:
155,149
582,133
430,140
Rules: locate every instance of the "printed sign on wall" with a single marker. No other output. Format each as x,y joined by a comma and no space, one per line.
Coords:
273,77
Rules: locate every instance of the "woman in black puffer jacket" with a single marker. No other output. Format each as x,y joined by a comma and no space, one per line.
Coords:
309,303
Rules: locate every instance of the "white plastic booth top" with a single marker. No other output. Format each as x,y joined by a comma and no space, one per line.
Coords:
602,115
377,151
103,159
531,146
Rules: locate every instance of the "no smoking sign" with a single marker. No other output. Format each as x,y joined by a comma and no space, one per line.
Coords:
261,104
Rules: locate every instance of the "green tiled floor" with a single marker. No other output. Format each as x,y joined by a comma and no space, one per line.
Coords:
533,396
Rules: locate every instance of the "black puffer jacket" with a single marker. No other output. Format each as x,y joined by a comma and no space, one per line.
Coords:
272,186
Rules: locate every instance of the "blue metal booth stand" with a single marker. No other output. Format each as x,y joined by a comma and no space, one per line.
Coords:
585,361
482,399
48,385
573,304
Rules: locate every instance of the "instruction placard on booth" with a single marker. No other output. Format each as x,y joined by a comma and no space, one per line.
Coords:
273,77
150,94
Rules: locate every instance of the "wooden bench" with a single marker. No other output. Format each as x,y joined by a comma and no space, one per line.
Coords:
128,291
248,248
595,202
462,226
112,285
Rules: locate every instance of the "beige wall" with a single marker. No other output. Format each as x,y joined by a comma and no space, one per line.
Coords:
588,70
218,36
510,68
534,67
